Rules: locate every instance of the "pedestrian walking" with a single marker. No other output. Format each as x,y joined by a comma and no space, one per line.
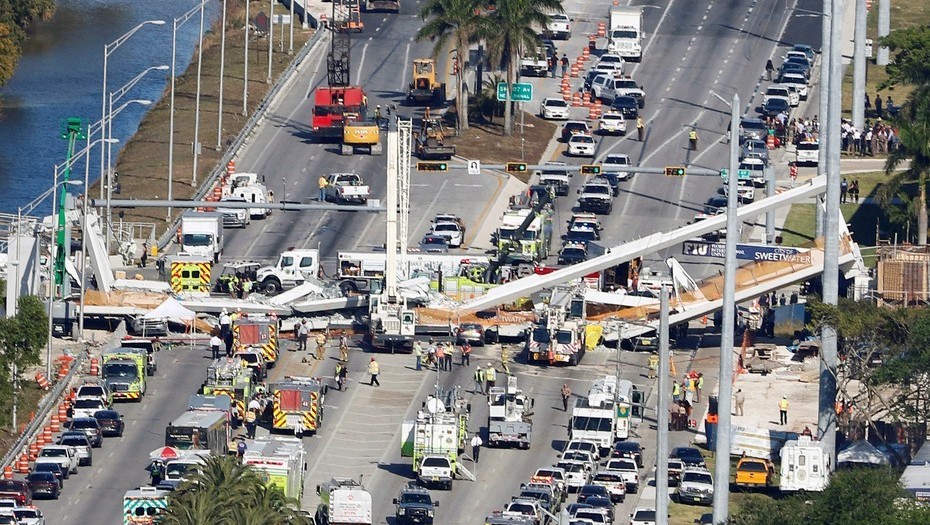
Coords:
566,393
466,354
450,353
868,104
783,410
844,189
699,386
505,358
431,355
640,129
440,357
490,377
739,399
320,345
769,69
299,428
374,369
476,446
302,333
564,63
343,347
250,417
323,183
692,139
676,391
246,287
418,353
225,323
145,255
342,377
337,375
479,380
215,343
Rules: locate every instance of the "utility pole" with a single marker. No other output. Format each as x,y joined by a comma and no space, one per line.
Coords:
858,101
826,125
197,99
219,111
245,64
826,421
662,412
884,27
769,215
722,450
270,39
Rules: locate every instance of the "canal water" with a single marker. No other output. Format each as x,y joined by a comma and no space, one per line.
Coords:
61,75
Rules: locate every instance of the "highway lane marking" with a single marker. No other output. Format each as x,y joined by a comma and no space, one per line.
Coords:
654,34
361,62
468,185
403,78
432,203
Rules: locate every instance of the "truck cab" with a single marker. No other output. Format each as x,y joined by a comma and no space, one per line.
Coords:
124,372
414,506
254,193
292,269
202,234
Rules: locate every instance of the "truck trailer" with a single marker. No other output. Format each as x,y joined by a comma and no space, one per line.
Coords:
625,32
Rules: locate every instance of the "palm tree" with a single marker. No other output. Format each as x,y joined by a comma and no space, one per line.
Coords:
510,30
458,21
913,125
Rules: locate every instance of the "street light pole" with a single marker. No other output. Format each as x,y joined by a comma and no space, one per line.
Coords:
197,98
219,112
245,64
662,411
858,101
270,38
884,27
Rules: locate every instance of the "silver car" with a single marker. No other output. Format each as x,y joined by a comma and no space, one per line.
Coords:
79,442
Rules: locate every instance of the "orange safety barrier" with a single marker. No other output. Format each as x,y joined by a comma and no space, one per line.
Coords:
575,70
770,141
22,466
62,412
601,29
566,96
47,434
63,371
586,101
94,366
595,112
576,100
56,423
7,472
230,167
40,442
33,450
585,51
42,380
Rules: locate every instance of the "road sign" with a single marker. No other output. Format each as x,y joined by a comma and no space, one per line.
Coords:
474,167
740,174
748,252
519,91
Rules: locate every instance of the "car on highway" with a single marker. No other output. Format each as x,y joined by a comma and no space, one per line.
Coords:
756,168
234,217
616,164
602,87
94,389
451,231
626,105
774,106
806,49
52,468
808,152
30,515
798,80
751,128
754,473
528,508
714,205
754,148
434,244
17,490
65,456
414,506
611,123
643,516
585,446
696,486
90,427
471,333
254,359
602,503
87,406
591,490
582,233
581,146
573,253
675,468
543,493
594,72
746,191
798,62
552,108
630,450
626,468
79,442
613,482
553,476
626,86
574,127
110,423
781,91
611,60
44,484
576,473
690,456
596,197
559,26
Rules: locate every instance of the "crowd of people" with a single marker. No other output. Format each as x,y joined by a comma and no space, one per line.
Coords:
875,137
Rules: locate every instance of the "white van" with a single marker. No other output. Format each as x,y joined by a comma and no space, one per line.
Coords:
254,193
808,153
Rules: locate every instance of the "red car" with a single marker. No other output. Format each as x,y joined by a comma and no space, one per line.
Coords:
16,489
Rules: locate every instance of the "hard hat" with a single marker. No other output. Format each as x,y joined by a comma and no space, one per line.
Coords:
372,359
379,105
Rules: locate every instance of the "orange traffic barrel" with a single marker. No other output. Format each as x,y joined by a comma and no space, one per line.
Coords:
601,29
62,412
576,100
33,450
7,472
22,466
575,70
230,167
42,380
94,366
566,96
56,423
47,434
40,441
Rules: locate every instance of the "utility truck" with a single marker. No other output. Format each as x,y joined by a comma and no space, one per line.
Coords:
625,32
292,269
280,462
509,419
593,416
346,188
805,466
202,234
343,501
124,373
436,439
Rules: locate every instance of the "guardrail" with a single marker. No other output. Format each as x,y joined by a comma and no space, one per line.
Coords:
257,115
51,399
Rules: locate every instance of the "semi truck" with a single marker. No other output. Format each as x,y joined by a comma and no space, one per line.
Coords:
202,234
144,506
124,372
509,421
257,332
436,439
625,32
343,501
298,400
280,462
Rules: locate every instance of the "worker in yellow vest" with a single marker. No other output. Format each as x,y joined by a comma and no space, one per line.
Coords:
490,376
692,139
783,410
640,129
323,183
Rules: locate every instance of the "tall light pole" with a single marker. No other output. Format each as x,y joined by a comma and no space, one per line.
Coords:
884,27
245,64
662,412
858,96
197,99
178,22
290,46
107,51
219,112
270,38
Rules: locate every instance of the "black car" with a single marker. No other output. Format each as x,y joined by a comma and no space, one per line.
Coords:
628,449
111,423
44,484
90,427
573,254
714,205
590,491
628,106
414,506
434,244
613,179
582,236
51,468
602,502
690,456
774,106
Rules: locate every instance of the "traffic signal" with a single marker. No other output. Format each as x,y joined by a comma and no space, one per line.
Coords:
432,166
674,171
591,169
515,167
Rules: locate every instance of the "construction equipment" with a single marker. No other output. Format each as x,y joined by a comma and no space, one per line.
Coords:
357,132
230,376
343,501
509,421
431,140
425,88
298,402
560,338
382,5
280,462
258,332
436,439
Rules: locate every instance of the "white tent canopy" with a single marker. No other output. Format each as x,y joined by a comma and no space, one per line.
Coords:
173,310
859,453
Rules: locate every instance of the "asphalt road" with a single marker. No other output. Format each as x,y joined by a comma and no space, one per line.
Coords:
720,46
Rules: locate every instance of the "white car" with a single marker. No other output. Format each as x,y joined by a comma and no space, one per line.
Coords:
796,80
576,473
94,390
553,109
617,164
87,406
29,515
234,217
628,470
65,456
783,91
614,482
559,26
583,445
612,123
696,486
451,231
756,168
611,61
642,516
581,146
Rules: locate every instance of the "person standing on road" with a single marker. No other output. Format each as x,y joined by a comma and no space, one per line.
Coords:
564,63
476,446
769,69
323,183
225,323
215,343
505,358
337,375
783,410
699,386
418,353
878,105
640,129
320,345
440,357
676,391
566,393
342,376
739,398
466,354
302,333
479,380
450,353
374,369
343,347
653,365
250,417
490,377
692,139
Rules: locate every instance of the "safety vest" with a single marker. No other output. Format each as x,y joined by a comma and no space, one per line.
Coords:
417,352
374,368
676,390
783,404
479,375
323,182
692,135
700,384
491,374
639,123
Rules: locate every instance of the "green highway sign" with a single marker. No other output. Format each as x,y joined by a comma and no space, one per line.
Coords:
519,91
740,174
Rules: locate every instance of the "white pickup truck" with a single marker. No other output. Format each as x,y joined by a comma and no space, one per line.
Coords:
347,188
535,63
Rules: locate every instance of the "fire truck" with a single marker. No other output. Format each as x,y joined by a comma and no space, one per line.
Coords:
298,400
257,332
230,376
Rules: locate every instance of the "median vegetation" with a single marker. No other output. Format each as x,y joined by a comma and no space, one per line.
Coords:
16,17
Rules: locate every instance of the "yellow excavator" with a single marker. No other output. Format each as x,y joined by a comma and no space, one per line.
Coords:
425,89
358,132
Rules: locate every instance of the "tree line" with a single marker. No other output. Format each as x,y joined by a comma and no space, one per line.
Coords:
16,16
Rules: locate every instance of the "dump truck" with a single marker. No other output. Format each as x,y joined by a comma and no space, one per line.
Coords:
424,88
231,377
298,400
280,462
430,141
144,506
123,372
257,331
343,501
509,421
437,438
